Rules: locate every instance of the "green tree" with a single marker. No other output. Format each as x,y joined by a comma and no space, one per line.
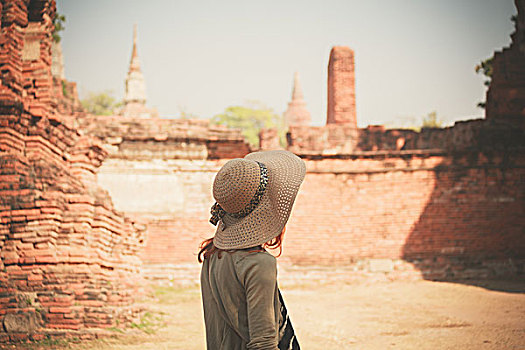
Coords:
102,103
431,121
485,68
59,23
250,118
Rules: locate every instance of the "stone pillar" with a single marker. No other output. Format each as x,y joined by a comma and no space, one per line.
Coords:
341,87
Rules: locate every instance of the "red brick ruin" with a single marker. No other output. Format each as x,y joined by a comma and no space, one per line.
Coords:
341,87
506,95
441,204
69,260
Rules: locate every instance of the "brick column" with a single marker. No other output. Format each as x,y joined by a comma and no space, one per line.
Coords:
341,87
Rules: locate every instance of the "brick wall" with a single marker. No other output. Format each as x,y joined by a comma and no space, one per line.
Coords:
172,198
478,134
432,213
157,138
174,240
160,171
69,261
451,216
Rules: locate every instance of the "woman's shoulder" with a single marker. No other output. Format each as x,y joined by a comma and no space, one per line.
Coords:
257,256
255,267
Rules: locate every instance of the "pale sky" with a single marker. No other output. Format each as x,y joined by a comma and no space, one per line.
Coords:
412,56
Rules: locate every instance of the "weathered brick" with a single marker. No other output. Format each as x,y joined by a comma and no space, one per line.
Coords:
59,310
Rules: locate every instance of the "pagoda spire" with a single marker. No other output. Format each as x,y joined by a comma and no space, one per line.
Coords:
134,54
297,93
134,64
296,114
135,96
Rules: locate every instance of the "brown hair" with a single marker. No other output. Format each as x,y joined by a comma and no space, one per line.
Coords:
207,248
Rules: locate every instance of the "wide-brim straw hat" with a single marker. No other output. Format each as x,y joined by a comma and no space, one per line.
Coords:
236,188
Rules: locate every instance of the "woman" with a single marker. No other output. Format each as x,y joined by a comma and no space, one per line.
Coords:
243,308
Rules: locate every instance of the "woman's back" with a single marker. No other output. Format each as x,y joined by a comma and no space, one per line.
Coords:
241,300
243,308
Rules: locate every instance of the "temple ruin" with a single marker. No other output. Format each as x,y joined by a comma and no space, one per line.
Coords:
69,260
91,205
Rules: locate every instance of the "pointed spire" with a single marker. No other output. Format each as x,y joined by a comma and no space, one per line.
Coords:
297,93
135,97
134,52
134,64
296,114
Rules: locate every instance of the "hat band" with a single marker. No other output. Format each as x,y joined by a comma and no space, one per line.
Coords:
217,212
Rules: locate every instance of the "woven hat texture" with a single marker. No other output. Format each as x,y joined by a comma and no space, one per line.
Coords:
235,185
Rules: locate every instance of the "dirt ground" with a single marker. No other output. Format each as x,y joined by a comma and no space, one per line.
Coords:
363,315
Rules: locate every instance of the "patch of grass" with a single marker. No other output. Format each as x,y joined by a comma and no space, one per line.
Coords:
48,341
115,329
149,323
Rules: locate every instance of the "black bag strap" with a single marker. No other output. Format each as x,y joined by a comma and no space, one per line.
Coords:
287,338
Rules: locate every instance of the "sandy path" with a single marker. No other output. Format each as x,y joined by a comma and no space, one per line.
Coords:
365,315
408,315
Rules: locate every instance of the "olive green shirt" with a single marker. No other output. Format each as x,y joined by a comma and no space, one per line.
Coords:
241,300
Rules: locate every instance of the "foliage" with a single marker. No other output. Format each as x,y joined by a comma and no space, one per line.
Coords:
250,118
59,23
485,67
432,121
102,103
64,88
184,114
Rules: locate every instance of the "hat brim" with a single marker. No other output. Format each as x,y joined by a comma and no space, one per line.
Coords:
286,172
